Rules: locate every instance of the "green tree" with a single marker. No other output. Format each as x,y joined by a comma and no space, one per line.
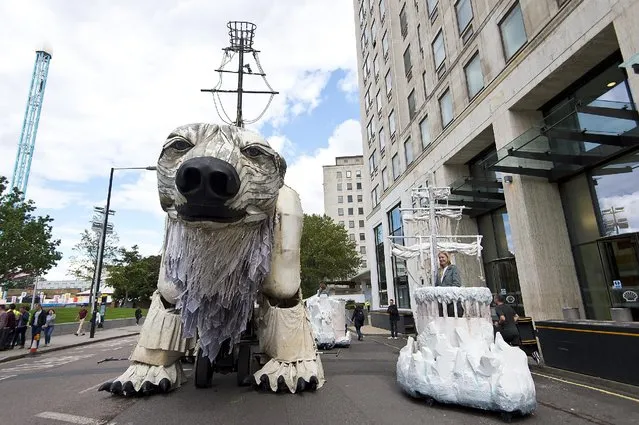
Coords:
86,253
132,276
326,253
27,246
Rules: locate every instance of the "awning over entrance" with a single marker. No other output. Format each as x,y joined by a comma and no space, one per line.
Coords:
588,135
478,195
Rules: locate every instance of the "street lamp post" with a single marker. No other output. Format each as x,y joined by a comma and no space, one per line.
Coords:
105,224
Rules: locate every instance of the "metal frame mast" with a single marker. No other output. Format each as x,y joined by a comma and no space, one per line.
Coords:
22,166
241,35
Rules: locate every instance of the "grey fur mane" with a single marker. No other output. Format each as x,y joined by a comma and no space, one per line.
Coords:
219,273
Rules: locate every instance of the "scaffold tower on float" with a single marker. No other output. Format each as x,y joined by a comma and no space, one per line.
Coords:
422,239
26,145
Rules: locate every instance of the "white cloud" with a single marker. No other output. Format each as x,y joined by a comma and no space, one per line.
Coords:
349,84
124,74
305,174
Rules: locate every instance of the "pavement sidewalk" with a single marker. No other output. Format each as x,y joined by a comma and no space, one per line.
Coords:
61,342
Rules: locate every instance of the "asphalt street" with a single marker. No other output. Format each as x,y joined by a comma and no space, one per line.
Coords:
61,387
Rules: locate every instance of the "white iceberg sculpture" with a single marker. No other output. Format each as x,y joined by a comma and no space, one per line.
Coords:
328,321
457,360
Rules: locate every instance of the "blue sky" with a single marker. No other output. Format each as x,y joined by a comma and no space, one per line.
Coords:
119,82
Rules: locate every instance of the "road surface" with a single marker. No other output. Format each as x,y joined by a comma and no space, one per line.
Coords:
60,388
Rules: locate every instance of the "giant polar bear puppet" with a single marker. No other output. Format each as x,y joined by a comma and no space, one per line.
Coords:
232,238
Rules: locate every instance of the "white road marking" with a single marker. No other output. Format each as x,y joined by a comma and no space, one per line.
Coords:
6,377
46,363
63,417
90,388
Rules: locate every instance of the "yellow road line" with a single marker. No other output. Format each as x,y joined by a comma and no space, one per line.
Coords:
588,331
587,386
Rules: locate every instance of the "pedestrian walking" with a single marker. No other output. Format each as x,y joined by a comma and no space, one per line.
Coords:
393,315
138,315
358,321
38,319
21,328
3,325
506,323
49,326
82,315
10,328
448,275
367,304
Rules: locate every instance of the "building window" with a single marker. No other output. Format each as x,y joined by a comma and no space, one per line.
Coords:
378,101
384,178
341,222
348,176
339,187
373,33
408,151
474,76
395,165
382,10
369,131
432,6
367,67
412,107
389,83
380,259
340,211
372,162
446,108
424,131
408,66
351,237
340,199
349,199
361,223
359,198
464,11
382,140
362,249
439,50
349,186
351,224
400,275
360,210
376,67
339,174
362,236
358,186
358,173
403,22
375,196
391,123
513,33
367,99
385,45
419,40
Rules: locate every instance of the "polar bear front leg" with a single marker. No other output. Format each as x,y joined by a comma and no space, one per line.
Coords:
285,332
286,337
155,366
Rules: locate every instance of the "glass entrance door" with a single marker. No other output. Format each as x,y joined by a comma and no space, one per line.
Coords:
620,258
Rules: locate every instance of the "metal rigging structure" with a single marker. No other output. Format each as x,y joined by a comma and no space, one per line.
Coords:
22,166
241,35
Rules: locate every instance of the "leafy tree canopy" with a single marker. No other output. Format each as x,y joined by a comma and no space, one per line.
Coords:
326,253
27,246
132,276
86,254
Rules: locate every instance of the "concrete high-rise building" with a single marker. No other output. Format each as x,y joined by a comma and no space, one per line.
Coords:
345,185
526,110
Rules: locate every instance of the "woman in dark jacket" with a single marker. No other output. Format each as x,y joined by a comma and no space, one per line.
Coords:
358,321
